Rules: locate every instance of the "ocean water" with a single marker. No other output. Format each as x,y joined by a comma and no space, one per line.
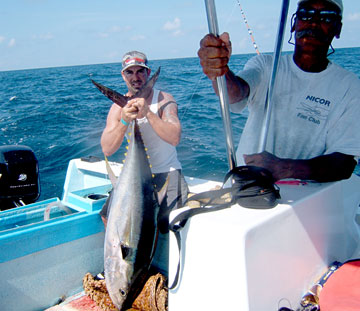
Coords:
60,114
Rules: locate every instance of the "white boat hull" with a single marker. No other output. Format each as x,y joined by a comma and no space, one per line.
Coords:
259,260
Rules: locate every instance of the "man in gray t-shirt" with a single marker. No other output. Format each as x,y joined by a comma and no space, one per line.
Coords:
313,129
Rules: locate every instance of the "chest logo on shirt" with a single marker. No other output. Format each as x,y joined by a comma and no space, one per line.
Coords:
314,109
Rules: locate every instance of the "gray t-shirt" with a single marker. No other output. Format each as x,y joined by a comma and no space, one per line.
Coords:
312,113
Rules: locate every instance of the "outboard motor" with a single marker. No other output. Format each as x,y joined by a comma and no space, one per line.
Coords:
19,176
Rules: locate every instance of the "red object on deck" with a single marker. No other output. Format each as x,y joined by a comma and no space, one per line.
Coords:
341,292
83,303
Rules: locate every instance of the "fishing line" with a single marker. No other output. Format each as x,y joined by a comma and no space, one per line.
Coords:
248,29
186,106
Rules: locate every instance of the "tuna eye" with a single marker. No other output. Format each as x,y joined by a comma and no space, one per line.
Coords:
122,292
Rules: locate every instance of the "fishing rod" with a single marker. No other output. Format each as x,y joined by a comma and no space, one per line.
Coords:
221,84
275,65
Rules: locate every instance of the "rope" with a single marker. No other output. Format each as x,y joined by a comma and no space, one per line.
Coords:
153,296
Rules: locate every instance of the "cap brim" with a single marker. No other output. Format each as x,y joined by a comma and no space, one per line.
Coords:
133,65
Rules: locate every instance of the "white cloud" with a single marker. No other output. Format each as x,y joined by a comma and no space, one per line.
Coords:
177,32
45,36
2,39
113,55
113,30
103,34
137,38
174,26
353,17
11,42
116,29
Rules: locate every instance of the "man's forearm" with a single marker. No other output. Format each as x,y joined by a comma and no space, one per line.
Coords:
111,140
332,167
237,88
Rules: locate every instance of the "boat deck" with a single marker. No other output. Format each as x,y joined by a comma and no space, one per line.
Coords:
238,252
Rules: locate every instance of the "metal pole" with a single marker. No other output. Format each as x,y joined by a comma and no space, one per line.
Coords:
221,83
275,65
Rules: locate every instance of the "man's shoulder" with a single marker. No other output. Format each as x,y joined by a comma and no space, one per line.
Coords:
266,60
345,71
345,75
165,97
261,58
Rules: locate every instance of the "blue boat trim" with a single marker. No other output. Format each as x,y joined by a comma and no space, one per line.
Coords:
36,237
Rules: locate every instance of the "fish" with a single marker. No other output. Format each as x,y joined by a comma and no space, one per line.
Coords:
120,99
132,226
132,223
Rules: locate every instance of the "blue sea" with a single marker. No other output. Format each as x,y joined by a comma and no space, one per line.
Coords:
60,114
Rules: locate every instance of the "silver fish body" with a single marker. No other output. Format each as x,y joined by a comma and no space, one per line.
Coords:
132,230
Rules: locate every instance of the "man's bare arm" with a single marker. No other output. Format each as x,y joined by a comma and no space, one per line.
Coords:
324,168
166,124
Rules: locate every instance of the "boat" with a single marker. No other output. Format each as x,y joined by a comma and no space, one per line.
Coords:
249,259
238,258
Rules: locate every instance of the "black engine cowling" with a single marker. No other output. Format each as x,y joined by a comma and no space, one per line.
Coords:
19,176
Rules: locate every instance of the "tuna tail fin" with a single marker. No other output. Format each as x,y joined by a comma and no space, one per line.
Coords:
116,97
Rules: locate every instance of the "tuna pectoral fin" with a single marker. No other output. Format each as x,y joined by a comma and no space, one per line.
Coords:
162,192
111,173
126,251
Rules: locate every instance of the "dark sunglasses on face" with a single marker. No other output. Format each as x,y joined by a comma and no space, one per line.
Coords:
325,16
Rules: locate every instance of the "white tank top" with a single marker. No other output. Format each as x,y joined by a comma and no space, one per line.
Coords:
163,156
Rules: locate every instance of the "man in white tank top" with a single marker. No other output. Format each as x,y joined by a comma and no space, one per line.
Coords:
160,128
314,132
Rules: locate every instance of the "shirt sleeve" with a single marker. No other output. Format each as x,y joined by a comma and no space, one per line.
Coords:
344,134
253,73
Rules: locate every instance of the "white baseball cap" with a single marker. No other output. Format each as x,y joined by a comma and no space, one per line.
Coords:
338,3
134,58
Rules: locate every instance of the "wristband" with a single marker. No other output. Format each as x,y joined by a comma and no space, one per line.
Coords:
124,122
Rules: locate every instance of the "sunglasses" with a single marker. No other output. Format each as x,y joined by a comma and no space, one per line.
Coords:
324,16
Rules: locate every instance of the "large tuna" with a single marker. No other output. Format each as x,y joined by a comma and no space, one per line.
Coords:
131,232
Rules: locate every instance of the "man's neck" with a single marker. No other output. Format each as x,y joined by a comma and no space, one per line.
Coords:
311,62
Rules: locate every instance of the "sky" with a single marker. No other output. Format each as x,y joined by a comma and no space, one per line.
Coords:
53,33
